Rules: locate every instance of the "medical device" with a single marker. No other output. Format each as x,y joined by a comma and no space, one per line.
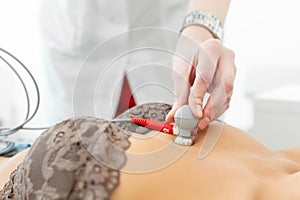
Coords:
185,127
149,123
5,131
185,122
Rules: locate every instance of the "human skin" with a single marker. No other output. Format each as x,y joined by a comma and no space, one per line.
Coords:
215,72
8,165
238,167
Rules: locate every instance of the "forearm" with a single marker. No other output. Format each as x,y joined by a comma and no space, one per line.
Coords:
218,8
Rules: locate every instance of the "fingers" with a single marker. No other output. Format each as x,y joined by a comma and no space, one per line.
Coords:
212,71
221,94
227,69
183,77
170,115
215,105
196,97
205,73
182,70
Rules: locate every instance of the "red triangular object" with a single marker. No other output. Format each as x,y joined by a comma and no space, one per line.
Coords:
126,100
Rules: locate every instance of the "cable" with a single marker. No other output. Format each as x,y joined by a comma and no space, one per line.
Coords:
5,131
23,84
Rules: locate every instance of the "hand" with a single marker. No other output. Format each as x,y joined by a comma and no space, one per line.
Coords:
212,71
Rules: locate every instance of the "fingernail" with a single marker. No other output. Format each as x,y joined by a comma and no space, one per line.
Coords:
204,122
199,111
169,117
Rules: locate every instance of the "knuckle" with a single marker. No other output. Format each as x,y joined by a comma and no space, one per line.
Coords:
228,100
230,53
227,106
228,86
208,113
194,97
214,44
214,110
204,79
198,100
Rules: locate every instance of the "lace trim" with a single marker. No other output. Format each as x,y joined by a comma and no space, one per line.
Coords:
157,111
64,162
79,158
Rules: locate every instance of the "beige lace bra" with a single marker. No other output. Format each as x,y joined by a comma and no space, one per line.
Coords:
79,158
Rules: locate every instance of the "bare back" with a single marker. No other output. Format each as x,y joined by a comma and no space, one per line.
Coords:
239,167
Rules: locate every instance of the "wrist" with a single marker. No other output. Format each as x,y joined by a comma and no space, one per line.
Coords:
204,20
197,33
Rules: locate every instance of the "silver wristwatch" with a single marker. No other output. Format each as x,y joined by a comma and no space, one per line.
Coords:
205,19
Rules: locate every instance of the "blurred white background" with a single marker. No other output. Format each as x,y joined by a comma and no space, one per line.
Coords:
19,35
263,34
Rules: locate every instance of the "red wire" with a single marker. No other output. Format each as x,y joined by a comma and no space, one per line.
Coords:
154,124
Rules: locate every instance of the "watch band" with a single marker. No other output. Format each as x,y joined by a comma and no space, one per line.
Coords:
205,19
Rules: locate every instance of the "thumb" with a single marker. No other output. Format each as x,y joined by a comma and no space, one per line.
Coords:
182,92
170,115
